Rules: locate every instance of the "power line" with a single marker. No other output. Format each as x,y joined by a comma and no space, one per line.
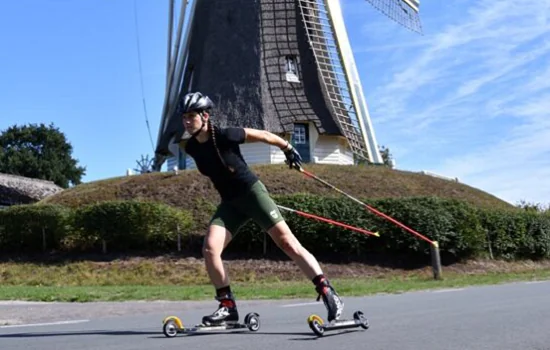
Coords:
141,75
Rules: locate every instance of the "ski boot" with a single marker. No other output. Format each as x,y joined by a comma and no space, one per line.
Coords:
227,312
226,318
333,302
335,308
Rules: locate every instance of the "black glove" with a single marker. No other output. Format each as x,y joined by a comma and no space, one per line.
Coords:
293,158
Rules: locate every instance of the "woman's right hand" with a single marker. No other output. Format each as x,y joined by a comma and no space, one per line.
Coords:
293,158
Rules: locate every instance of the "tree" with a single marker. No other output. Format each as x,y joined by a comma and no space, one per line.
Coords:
386,156
40,152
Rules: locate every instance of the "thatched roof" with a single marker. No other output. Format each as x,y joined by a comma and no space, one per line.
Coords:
238,56
23,190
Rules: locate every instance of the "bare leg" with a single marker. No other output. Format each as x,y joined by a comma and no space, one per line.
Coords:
285,239
217,238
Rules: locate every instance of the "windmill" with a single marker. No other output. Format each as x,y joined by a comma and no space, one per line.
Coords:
285,66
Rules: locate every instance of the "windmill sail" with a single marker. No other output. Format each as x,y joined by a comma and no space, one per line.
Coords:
174,73
404,12
329,42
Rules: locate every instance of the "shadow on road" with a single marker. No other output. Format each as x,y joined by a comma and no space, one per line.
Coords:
309,335
63,334
158,334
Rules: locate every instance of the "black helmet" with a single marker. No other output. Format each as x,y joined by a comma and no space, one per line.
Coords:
195,101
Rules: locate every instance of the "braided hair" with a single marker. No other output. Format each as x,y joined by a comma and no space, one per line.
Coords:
212,129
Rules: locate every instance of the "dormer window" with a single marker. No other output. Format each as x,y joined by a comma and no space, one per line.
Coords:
291,69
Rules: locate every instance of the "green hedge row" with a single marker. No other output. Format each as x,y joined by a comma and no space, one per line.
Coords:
463,231
110,226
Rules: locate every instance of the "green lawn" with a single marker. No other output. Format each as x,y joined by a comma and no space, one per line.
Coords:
257,289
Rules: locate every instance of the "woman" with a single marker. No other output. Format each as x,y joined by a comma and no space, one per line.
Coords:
217,155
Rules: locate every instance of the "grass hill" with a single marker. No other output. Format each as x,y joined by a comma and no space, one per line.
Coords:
190,190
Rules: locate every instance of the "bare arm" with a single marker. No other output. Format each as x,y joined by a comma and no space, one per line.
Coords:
255,135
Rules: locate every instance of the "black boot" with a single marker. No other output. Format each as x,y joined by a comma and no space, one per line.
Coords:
333,303
226,313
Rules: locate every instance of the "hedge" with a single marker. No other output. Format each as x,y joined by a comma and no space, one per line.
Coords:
518,234
31,228
118,225
462,230
131,225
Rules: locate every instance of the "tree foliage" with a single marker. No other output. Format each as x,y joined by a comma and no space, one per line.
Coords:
387,157
384,152
40,152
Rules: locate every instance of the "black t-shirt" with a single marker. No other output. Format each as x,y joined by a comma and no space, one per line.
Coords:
229,184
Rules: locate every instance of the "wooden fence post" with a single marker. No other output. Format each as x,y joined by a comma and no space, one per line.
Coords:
43,239
436,260
179,237
489,245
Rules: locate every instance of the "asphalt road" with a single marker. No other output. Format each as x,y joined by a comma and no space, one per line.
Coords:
511,316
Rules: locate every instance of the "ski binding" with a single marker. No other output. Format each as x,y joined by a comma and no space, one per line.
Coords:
172,325
319,327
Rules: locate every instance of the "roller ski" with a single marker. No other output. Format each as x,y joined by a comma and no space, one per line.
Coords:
335,307
172,325
318,326
225,318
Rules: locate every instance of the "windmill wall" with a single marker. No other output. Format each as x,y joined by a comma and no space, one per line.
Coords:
253,59
327,150
238,56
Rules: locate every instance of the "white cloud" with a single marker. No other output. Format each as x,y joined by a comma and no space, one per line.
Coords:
476,93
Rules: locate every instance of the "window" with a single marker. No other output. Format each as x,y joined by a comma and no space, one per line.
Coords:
291,69
299,136
291,64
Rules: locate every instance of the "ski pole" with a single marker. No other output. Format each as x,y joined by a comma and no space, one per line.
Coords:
330,221
313,176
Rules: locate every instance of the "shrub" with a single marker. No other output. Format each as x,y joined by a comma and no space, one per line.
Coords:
31,228
462,230
517,234
131,225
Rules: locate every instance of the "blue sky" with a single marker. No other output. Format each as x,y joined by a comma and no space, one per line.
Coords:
469,99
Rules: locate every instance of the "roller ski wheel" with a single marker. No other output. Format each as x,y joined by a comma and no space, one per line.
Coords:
360,317
316,324
173,325
252,321
319,327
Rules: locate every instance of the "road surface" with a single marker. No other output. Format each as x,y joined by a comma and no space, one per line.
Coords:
510,316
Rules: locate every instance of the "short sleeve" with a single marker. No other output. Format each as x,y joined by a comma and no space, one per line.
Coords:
234,135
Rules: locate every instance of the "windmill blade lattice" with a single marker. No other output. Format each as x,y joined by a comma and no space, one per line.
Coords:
325,47
404,12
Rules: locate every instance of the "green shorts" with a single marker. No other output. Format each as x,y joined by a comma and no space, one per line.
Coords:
255,205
